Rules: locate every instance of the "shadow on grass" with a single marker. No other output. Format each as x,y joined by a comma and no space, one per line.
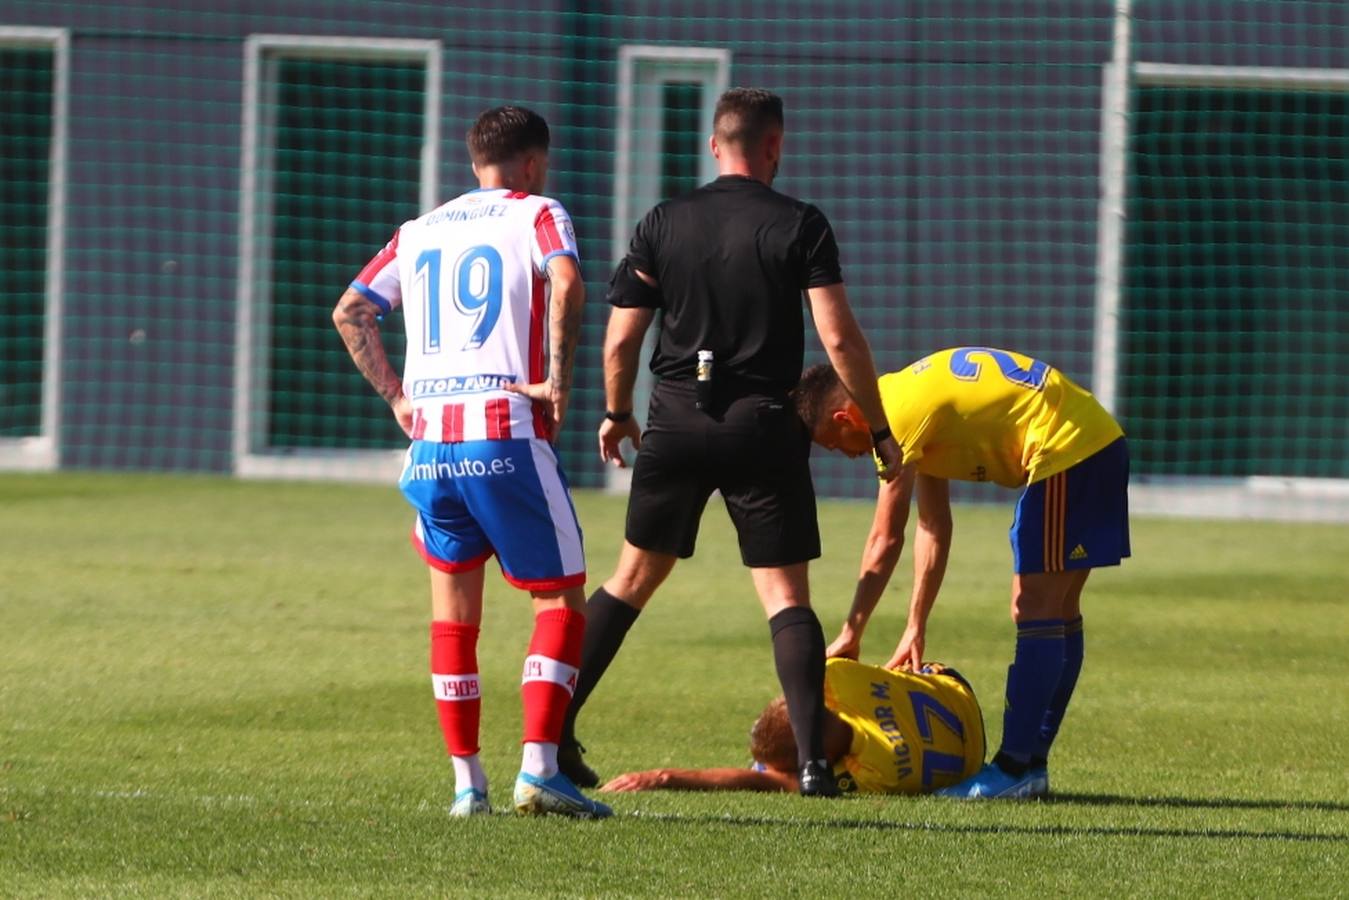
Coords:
1037,830
1196,802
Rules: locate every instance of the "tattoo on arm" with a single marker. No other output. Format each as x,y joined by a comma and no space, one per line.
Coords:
564,333
356,323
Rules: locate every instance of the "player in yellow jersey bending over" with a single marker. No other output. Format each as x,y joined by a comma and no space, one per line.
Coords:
885,732
983,414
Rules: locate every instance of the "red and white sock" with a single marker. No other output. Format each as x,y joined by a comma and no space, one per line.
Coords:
547,684
454,677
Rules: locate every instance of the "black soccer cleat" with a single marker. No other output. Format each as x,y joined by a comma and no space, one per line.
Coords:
569,763
817,780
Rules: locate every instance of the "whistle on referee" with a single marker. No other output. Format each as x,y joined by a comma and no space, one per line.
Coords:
704,380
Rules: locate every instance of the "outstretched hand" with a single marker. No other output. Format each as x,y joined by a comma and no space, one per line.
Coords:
636,781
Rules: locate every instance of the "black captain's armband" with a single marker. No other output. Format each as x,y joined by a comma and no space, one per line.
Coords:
627,290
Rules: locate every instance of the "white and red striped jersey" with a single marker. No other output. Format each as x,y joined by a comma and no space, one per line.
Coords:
471,276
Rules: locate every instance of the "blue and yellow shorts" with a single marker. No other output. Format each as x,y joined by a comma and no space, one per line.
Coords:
1077,519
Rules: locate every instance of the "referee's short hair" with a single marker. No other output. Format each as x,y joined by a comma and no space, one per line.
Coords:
745,115
814,392
502,133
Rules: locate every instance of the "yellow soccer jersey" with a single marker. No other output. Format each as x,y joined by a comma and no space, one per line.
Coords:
983,414
911,733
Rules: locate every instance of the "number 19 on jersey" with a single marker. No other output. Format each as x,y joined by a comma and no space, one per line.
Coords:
476,287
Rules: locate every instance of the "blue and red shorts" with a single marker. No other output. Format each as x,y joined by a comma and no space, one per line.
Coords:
1077,519
504,497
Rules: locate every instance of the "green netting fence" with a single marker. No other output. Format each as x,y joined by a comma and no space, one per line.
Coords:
186,187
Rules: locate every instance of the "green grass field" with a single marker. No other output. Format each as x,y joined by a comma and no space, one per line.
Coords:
220,688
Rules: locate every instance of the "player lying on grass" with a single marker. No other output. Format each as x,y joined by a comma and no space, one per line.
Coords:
886,732
982,414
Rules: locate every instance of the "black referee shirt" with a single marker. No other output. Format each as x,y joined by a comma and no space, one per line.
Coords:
731,260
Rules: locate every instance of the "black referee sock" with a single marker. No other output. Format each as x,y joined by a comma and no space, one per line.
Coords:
607,622
798,652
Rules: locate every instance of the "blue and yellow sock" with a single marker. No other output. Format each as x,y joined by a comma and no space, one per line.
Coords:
1031,680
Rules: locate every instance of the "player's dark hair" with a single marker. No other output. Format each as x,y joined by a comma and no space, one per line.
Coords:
771,741
504,132
813,392
745,115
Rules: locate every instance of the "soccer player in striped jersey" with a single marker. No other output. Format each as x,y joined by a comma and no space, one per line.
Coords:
886,732
983,414
492,294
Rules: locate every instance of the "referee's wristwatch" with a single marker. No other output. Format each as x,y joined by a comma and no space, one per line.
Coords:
880,435
618,418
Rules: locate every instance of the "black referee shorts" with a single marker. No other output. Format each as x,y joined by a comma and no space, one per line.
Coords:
754,449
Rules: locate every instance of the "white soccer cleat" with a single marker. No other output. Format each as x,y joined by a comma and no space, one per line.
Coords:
470,802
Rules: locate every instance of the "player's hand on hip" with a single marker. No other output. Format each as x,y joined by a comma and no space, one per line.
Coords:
611,439
553,398
402,411
889,459
848,645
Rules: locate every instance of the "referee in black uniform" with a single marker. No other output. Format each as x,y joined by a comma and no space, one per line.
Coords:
727,265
